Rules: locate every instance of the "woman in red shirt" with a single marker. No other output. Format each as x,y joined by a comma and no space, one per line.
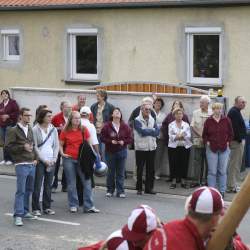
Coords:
217,134
71,138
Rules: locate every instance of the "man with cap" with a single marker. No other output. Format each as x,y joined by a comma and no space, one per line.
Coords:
142,222
204,208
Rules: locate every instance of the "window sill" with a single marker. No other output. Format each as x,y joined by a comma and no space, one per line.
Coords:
82,81
206,85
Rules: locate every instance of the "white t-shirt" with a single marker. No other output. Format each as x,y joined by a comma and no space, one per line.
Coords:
92,130
46,150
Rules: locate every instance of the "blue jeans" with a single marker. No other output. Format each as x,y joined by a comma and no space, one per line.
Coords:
3,132
87,190
116,171
101,148
70,168
25,174
217,168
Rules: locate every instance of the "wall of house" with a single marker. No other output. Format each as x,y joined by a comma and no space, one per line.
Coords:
137,44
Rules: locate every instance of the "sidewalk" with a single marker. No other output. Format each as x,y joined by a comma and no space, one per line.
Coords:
161,186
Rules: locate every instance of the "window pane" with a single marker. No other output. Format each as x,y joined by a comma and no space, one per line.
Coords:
206,56
86,54
13,45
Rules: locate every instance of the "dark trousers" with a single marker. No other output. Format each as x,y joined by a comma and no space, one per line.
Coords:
178,162
200,164
3,132
55,182
142,158
41,174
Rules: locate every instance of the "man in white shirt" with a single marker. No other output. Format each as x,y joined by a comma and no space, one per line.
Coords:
20,145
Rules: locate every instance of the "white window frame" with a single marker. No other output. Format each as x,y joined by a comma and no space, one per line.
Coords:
5,33
72,53
190,32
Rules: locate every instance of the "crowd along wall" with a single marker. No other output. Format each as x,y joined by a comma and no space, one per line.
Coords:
32,97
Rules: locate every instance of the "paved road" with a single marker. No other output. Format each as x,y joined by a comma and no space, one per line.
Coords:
68,231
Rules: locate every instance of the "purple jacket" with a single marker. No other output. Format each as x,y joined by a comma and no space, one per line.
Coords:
170,118
109,133
10,109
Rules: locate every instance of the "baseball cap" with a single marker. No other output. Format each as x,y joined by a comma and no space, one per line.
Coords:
141,221
85,110
116,241
206,200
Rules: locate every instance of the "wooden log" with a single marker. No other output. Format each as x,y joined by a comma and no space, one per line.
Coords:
232,218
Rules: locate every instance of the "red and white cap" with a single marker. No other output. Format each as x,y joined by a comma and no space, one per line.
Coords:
206,200
141,221
116,241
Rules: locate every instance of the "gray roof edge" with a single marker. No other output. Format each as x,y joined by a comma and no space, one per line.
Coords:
158,4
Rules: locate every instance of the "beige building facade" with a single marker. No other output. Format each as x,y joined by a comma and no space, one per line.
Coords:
133,44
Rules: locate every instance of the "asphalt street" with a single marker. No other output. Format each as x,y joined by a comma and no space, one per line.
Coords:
69,231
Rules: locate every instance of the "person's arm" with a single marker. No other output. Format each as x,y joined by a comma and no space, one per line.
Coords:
205,133
38,155
13,115
230,131
171,133
187,133
105,138
141,131
10,142
55,145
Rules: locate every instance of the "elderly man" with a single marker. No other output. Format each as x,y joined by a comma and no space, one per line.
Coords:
145,133
199,117
237,145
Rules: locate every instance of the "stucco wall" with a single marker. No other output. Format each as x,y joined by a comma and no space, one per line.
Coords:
138,44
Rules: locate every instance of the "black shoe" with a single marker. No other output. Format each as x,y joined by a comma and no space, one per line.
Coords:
64,189
222,194
168,180
172,186
150,192
184,185
139,192
231,190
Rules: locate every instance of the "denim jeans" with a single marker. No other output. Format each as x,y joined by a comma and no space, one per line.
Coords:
217,168
3,131
42,174
70,168
25,174
101,148
116,171
87,190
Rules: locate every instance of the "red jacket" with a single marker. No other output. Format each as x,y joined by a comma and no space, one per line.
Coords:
109,133
10,109
176,235
59,122
218,134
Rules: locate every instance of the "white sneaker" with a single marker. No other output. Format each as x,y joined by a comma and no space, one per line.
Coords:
108,195
49,211
122,195
2,163
18,221
157,177
73,209
53,190
36,213
8,163
92,210
30,216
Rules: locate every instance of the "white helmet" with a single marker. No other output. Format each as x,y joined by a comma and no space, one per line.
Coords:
101,169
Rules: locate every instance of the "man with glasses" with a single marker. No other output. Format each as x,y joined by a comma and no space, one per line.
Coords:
145,133
20,145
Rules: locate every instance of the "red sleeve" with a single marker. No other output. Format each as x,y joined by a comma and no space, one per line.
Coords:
204,133
105,138
95,246
238,244
62,136
91,118
86,134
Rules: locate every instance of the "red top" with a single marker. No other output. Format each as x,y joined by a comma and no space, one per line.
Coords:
72,140
218,134
95,246
238,244
176,235
109,133
58,121
76,108
10,109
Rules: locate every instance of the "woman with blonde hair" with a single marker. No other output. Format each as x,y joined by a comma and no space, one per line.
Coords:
217,134
71,138
179,148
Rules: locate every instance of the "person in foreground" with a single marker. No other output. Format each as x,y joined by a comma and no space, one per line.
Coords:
204,209
142,222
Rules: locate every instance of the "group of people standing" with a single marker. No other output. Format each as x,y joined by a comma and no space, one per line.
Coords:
81,137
